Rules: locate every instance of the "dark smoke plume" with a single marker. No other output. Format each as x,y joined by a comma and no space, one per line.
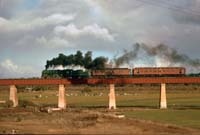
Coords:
169,55
127,56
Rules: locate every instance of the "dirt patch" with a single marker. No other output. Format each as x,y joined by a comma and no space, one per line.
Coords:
76,121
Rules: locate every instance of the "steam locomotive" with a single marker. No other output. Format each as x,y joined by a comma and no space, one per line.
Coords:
116,72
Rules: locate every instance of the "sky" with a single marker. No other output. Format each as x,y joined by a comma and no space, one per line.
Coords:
33,31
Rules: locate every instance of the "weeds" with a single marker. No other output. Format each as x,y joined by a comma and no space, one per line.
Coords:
26,103
7,104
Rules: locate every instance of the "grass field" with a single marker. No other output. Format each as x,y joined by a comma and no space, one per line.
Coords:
183,101
187,118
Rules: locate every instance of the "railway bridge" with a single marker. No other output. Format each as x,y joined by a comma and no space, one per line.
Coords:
63,83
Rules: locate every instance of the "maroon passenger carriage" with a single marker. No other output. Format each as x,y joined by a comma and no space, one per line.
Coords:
140,71
111,72
159,71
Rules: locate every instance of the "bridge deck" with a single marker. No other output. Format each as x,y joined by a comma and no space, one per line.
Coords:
138,80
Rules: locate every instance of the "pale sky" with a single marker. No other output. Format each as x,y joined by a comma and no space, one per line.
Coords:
32,31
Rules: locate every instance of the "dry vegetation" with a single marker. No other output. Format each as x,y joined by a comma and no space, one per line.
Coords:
76,121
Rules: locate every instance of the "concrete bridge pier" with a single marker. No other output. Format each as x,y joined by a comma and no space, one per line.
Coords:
163,98
13,95
61,97
112,101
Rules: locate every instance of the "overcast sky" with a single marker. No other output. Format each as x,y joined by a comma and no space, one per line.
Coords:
32,31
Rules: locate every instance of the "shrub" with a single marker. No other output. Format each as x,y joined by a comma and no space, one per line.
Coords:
39,88
18,119
8,104
86,90
25,103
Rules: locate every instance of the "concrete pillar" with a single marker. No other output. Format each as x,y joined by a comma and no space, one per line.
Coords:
163,99
61,97
13,95
112,101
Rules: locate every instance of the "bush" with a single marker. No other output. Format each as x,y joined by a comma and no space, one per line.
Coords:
39,88
8,104
26,103
86,90
18,119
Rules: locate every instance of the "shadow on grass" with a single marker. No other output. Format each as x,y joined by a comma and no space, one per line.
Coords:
119,106
184,107
178,107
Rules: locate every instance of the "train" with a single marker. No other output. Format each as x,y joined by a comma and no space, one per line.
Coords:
67,73
116,72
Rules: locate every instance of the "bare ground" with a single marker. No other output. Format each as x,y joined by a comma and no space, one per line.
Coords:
81,121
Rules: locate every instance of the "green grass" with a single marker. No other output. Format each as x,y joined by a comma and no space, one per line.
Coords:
187,118
148,98
183,105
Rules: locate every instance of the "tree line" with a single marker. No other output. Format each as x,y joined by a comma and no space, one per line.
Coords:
78,59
